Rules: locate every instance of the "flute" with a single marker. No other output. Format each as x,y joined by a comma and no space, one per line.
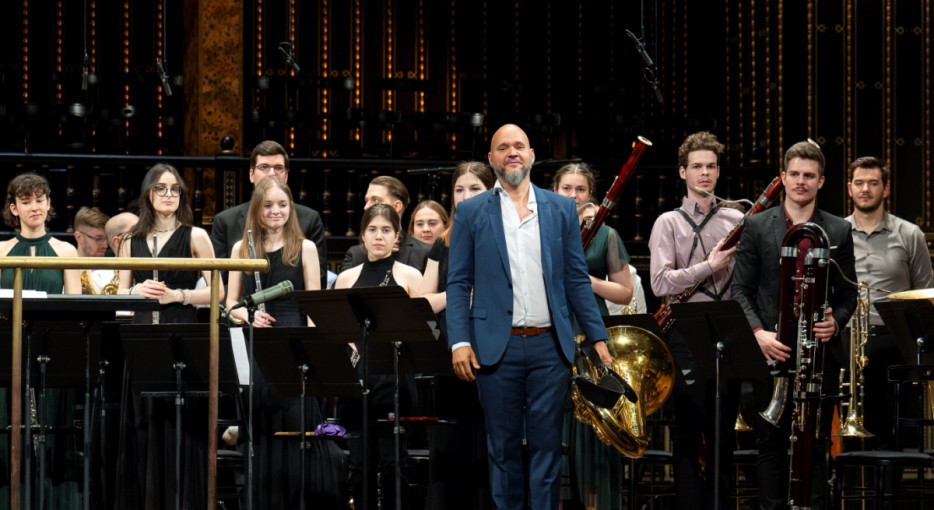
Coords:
155,276
259,285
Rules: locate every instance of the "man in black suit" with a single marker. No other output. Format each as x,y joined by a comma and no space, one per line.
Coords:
268,158
410,251
756,284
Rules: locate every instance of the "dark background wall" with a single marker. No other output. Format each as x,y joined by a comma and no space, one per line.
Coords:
390,85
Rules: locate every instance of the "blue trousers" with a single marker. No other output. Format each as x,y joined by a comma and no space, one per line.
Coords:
523,396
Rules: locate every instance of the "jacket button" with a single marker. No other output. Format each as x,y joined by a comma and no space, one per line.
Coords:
508,312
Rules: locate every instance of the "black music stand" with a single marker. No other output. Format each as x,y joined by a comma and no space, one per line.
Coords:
384,315
911,322
75,316
723,345
299,362
173,361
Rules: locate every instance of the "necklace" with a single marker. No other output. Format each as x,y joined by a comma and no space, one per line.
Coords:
166,230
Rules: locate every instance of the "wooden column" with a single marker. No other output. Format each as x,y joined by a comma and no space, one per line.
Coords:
213,83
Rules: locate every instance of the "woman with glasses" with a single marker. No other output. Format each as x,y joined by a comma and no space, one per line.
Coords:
28,208
146,449
165,230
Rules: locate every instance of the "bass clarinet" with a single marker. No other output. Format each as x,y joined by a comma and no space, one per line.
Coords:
802,303
663,315
591,226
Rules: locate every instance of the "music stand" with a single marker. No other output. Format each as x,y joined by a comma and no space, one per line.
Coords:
85,314
911,322
158,355
723,345
380,315
299,361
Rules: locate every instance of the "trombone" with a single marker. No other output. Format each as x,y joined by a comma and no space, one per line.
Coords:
852,424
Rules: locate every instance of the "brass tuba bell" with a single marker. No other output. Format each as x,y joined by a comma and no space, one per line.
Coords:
643,360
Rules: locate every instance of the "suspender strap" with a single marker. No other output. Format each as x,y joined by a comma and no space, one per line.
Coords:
697,239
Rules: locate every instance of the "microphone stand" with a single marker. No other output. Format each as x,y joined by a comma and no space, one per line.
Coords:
250,311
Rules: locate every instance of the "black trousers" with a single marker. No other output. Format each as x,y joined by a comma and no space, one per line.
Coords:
694,399
772,465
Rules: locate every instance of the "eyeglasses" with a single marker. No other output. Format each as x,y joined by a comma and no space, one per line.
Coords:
278,169
96,239
162,190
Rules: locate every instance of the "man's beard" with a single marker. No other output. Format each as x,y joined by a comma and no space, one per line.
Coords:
870,208
512,178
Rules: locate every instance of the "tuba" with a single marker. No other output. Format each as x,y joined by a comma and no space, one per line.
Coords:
802,303
643,360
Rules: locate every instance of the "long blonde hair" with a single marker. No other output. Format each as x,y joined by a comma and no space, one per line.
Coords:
292,248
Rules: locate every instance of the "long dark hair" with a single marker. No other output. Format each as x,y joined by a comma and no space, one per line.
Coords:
147,213
379,211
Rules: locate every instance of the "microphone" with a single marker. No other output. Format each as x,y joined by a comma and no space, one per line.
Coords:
287,55
164,77
275,292
640,47
85,68
649,72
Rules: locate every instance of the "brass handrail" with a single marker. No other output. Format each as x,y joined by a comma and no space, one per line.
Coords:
187,264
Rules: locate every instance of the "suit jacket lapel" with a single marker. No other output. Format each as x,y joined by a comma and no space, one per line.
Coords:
778,228
495,211
545,230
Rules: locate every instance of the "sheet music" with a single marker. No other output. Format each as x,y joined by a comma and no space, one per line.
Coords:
241,358
27,294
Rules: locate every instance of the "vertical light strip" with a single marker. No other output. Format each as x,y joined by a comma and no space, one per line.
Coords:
423,52
682,48
753,106
849,91
160,54
611,58
780,75
126,62
293,99
357,60
259,62
388,64
452,73
25,59
811,60
59,49
927,114
888,49
728,60
93,58
324,30
769,121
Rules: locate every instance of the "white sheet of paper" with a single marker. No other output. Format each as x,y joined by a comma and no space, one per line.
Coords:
27,294
241,358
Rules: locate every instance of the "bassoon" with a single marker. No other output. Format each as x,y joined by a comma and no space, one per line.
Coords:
663,315
591,226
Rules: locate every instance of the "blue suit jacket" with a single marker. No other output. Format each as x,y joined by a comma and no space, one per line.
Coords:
479,261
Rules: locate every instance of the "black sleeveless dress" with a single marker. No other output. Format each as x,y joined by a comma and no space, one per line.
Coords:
177,246
286,309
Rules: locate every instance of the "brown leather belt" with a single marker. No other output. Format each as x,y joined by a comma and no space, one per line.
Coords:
528,331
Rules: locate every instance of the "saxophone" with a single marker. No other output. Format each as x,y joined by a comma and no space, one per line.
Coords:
802,303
